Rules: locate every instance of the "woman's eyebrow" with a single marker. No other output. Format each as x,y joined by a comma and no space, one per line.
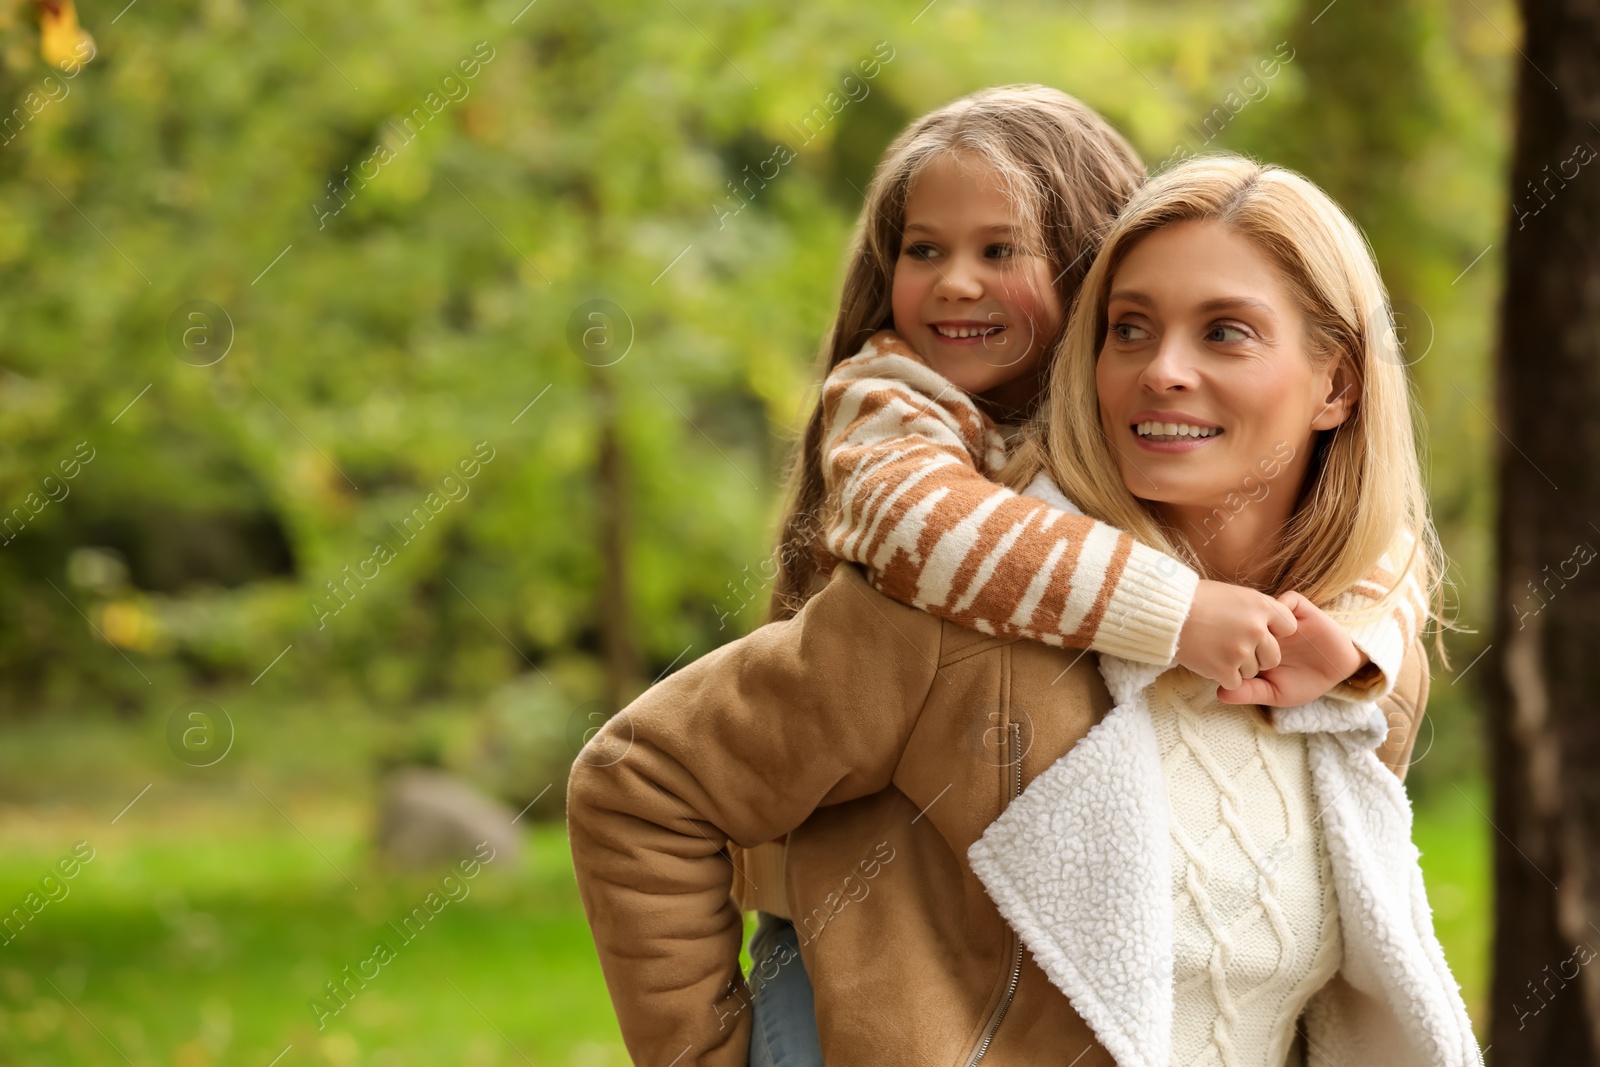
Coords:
1221,303
1236,303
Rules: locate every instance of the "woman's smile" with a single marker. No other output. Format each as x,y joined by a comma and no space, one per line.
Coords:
1172,431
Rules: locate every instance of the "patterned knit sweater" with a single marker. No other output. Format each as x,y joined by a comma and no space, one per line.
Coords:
909,463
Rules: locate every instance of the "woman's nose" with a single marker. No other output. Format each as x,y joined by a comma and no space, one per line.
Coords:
1170,368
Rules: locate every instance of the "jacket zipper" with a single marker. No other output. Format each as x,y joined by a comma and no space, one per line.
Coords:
1016,955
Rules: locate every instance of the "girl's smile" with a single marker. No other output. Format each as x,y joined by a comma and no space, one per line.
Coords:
967,294
966,332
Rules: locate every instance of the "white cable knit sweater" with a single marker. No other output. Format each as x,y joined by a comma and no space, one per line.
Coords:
1255,916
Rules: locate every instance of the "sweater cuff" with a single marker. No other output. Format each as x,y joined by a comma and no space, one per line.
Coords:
1148,606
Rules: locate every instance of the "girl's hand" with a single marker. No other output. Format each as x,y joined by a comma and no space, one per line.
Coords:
1316,656
1232,634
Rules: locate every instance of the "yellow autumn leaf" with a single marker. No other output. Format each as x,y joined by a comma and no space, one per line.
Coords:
62,42
127,624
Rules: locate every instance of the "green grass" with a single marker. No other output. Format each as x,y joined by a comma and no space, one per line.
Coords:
200,937
208,918
1457,860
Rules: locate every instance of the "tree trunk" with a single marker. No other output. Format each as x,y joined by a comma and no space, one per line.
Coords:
1544,670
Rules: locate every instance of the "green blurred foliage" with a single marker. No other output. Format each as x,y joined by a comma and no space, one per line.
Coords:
556,155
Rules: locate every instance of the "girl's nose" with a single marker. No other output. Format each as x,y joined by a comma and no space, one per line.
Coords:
959,279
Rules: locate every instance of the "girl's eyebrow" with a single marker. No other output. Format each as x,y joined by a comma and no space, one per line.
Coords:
998,227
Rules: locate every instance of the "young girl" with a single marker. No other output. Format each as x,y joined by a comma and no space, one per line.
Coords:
978,228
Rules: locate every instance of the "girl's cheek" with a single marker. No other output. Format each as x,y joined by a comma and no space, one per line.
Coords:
1037,312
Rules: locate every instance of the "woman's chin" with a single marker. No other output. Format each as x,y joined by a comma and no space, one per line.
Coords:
1166,493
1161,499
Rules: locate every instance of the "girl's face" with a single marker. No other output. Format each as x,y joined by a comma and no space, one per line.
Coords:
1207,394
966,296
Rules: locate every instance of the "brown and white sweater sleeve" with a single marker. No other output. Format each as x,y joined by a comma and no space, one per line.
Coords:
908,462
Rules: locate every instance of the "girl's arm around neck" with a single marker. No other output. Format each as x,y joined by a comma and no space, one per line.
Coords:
909,463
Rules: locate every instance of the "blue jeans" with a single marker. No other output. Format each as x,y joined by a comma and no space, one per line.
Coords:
784,1033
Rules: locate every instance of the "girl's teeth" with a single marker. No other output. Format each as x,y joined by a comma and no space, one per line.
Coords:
967,331
1177,430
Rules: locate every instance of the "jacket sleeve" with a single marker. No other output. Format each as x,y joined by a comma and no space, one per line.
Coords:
1403,709
741,746
1384,629
908,463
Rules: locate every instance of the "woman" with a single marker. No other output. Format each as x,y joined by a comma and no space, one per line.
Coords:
886,743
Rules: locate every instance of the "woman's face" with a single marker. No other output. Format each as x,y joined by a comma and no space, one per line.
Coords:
966,295
1207,394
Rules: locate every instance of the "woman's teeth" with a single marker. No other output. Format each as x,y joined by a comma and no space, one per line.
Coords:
966,331
1174,431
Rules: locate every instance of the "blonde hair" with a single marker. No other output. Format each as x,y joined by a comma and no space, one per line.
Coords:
1065,171
1364,484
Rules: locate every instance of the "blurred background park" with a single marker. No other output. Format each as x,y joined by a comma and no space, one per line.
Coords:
295,292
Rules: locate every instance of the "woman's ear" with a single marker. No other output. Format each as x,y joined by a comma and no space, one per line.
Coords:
1340,400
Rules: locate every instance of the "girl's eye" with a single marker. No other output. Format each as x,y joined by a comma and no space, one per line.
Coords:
1000,251
1127,331
919,251
1220,334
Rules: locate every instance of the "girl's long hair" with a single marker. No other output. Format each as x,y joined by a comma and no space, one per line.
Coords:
1364,492
1066,173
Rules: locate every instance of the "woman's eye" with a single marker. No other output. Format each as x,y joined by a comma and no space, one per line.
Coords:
1224,334
1127,331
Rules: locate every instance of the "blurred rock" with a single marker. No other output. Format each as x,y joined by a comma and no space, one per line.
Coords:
428,819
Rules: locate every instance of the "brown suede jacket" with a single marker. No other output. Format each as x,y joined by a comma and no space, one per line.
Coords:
883,741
